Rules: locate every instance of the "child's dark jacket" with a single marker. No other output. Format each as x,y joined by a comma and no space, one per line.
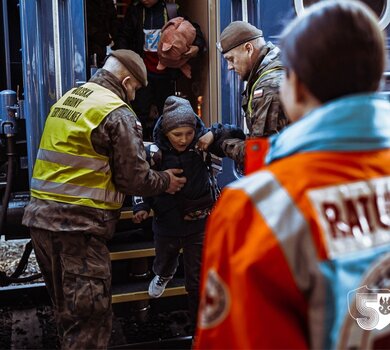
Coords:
168,209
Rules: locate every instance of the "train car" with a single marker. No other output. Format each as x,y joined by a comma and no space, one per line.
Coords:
45,52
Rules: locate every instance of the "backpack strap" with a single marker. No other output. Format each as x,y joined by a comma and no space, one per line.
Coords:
214,167
171,9
153,156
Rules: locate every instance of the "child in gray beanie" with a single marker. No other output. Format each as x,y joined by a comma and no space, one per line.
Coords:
177,112
179,219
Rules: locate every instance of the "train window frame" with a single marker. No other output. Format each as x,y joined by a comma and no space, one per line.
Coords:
384,21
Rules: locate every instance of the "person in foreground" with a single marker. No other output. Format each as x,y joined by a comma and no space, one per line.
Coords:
179,220
288,248
91,154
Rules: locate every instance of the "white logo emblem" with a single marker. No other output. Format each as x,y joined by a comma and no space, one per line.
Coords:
370,308
215,301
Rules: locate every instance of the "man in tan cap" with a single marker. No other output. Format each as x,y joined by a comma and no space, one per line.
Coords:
257,62
91,155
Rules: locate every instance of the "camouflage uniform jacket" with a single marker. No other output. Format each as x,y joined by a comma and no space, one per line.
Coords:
261,104
119,137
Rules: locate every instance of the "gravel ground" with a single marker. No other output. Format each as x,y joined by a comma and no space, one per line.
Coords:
22,328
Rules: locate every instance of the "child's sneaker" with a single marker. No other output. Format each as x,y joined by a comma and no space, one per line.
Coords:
157,286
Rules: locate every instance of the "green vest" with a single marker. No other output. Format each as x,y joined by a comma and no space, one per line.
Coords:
67,168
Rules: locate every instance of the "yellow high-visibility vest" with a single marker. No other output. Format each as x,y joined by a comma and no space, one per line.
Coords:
67,168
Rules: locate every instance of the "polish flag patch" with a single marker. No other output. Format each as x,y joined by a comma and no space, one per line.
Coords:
138,126
258,93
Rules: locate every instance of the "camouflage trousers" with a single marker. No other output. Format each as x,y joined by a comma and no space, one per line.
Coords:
77,271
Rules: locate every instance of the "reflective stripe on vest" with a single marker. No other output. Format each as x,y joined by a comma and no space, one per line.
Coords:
73,160
77,191
67,168
254,87
273,202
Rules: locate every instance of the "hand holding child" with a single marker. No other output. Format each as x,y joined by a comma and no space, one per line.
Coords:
140,216
205,141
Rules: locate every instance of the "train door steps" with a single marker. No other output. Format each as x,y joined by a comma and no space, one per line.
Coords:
131,256
132,253
131,250
124,292
136,291
130,235
126,213
131,243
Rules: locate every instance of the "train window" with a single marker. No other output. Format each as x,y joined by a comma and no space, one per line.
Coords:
380,7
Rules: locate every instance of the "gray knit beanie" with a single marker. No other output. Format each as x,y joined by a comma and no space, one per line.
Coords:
177,113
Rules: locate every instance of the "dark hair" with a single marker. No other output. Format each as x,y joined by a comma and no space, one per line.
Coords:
336,48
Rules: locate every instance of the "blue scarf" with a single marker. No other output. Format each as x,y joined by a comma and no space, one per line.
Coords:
353,123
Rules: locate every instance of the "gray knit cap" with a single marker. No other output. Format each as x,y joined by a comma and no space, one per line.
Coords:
237,33
177,113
